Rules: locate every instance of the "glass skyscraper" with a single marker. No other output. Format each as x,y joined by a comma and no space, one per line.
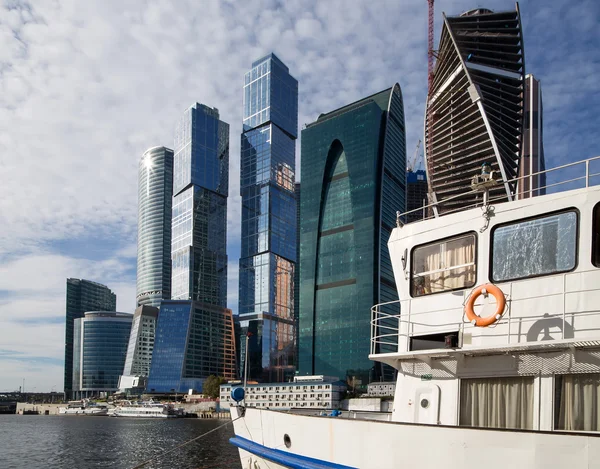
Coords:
194,334
268,248
155,198
353,182
82,295
100,346
200,189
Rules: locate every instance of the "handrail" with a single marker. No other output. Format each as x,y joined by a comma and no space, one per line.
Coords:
387,330
587,178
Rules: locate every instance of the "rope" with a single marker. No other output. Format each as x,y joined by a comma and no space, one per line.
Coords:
184,444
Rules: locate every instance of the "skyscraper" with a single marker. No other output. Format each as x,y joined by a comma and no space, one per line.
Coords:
141,342
194,333
416,194
155,192
353,182
532,156
475,107
268,249
99,349
82,296
200,189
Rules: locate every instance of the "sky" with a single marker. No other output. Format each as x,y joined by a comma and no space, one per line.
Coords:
87,87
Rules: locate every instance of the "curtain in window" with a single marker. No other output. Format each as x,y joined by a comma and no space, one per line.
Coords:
578,403
497,402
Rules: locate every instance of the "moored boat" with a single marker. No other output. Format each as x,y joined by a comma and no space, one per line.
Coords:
495,341
146,410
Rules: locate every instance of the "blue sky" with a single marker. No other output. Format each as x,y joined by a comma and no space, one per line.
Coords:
86,87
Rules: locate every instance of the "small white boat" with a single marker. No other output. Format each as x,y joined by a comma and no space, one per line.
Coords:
146,410
84,408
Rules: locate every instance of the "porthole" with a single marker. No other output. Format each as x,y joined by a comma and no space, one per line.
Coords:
287,441
424,403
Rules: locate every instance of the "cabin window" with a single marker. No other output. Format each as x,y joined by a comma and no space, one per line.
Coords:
530,248
576,402
596,236
443,265
497,402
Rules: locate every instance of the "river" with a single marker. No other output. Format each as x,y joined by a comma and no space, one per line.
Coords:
74,442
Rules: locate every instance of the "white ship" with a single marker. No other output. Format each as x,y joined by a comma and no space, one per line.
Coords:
146,410
497,349
83,408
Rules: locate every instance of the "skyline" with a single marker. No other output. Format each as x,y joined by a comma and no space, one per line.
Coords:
80,114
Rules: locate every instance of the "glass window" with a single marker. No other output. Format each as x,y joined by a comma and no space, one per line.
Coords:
444,265
576,402
497,402
596,236
540,246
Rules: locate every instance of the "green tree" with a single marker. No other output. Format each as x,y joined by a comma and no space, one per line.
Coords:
212,385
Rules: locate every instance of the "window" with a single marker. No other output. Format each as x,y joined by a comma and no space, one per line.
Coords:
576,402
529,248
497,402
443,265
596,236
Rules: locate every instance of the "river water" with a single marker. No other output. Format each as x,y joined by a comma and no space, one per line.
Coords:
73,442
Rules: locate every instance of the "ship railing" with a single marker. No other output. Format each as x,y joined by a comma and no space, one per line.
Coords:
391,332
572,179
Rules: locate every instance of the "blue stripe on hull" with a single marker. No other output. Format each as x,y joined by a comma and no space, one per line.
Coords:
290,460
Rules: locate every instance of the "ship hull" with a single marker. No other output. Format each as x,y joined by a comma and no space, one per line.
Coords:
341,443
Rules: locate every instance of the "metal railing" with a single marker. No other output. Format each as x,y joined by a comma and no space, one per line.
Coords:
587,177
391,330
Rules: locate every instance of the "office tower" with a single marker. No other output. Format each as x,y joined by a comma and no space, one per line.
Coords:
475,107
268,248
532,156
155,192
140,347
353,182
297,274
99,349
194,335
416,195
200,189
82,296
193,341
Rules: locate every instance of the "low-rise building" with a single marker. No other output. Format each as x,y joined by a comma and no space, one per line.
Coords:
305,392
381,389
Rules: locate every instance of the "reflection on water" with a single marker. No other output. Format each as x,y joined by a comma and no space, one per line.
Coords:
90,442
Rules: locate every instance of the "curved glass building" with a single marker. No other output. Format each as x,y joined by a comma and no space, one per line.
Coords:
353,182
99,350
155,199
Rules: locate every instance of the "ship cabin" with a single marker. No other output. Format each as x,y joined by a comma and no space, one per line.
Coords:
498,322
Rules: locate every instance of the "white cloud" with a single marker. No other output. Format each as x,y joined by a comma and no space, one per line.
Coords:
86,88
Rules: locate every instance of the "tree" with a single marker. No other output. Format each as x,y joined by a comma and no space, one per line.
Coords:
212,386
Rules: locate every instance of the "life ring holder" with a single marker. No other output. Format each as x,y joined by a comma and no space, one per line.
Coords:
485,289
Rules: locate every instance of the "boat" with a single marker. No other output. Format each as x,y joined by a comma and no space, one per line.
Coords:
84,407
495,341
147,409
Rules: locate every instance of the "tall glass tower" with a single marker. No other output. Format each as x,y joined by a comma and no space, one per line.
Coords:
200,189
155,198
82,295
353,182
268,249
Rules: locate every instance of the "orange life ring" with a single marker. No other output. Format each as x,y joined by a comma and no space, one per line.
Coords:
484,290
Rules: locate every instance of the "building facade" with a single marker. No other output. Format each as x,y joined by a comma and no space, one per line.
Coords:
306,392
532,156
416,195
199,224
353,182
193,341
82,295
268,247
475,107
141,342
99,350
155,198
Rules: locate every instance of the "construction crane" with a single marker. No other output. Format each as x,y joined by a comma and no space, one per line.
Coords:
413,161
430,56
